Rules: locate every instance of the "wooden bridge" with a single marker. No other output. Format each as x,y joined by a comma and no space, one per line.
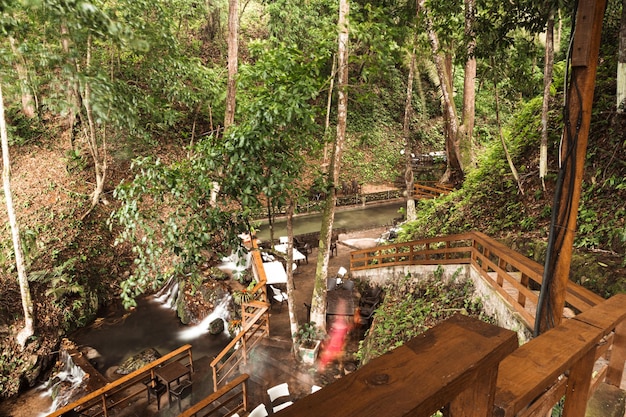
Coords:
425,190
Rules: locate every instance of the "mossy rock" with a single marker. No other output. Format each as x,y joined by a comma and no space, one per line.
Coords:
138,361
217,274
216,326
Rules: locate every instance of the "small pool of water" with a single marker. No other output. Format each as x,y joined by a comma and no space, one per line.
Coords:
351,219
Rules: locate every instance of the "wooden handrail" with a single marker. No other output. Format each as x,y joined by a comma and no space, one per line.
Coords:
222,398
102,394
250,335
511,274
454,364
560,363
430,191
252,324
447,366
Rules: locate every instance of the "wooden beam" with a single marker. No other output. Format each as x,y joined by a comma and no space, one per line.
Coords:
587,36
433,370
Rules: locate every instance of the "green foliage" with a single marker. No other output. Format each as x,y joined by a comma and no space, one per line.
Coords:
12,364
412,306
383,161
307,335
69,295
309,26
21,129
261,156
179,224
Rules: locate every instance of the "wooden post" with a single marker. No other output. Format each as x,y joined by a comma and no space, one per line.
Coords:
584,65
578,382
618,356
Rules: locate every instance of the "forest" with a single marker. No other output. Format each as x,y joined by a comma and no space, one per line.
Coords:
141,138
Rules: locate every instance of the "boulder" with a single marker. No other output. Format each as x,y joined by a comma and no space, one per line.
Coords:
216,326
138,361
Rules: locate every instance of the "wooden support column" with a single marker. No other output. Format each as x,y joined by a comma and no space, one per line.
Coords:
580,90
618,356
578,382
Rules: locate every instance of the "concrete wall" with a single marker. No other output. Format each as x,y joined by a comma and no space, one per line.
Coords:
493,304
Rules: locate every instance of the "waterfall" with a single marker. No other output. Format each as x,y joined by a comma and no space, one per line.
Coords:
220,311
64,386
237,263
168,294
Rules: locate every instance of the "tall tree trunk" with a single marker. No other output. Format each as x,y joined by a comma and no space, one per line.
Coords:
318,302
449,109
73,96
231,90
547,82
621,63
270,219
233,50
328,106
408,144
98,150
27,303
466,130
504,147
293,318
28,106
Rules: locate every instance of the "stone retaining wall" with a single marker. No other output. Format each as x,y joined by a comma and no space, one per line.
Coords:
493,304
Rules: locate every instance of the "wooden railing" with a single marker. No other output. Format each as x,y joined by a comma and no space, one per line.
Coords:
226,363
453,365
567,361
433,190
254,326
512,275
118,393
474,370
232,396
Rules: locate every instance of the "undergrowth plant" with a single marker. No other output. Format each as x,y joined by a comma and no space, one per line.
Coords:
412,306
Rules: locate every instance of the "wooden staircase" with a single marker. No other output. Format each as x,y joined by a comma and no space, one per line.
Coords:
255,326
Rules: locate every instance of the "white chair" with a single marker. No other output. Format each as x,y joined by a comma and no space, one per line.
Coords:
279,391
283,240
279,296
315,388
259,411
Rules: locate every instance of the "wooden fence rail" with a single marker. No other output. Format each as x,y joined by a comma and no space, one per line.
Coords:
514,276
232,396
471,369
118,392
560,363
452,365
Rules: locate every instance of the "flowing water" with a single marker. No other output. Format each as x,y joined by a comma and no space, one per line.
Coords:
152,324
